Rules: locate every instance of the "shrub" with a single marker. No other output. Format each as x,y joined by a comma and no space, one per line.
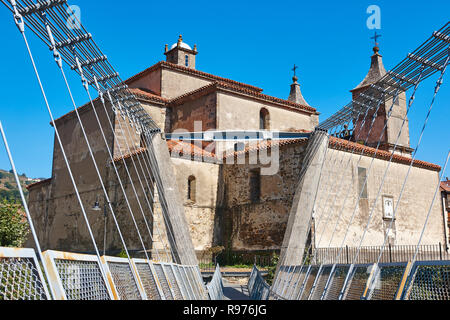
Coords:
14,227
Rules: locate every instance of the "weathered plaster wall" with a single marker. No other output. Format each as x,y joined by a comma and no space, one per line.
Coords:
151,81
240,113
410,216
201,212
175,83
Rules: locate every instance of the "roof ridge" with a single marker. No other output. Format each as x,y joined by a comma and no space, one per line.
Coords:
381,154
192,71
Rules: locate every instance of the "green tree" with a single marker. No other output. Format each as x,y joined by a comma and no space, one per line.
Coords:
14,227
9,185
272,268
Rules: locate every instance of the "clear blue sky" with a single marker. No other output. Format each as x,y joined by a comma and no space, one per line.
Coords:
255,42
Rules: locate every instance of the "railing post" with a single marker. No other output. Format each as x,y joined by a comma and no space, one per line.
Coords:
346,249
440,251
390,253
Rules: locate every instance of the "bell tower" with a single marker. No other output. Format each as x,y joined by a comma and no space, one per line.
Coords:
181,54
386,128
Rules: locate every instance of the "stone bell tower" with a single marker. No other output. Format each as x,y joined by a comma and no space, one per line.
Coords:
384,127
181,54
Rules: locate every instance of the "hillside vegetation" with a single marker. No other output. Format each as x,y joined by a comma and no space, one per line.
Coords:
8,187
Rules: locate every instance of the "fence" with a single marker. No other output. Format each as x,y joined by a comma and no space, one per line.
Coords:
397,253
74,276
226,259
421,280
215,287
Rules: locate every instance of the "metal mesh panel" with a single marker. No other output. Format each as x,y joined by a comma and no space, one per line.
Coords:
297,285
148,281
290,274
292,282
173,282
309,282
252,279
187,282
387,283
19,280
321,282
430,282
282,273
215,287
163,281
124,281
193,283
201,285
181,281
82,280
336,282
357,283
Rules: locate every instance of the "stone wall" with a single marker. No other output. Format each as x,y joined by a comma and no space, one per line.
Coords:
202,110
260,225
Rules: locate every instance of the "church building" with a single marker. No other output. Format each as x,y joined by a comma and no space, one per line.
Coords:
234,193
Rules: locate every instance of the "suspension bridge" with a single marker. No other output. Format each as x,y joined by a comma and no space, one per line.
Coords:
173,273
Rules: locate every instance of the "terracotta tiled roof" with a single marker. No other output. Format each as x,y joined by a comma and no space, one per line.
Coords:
265,145
146,95
130,154
179,147
445,186
236,89
165,64
345,145
38,183
175,147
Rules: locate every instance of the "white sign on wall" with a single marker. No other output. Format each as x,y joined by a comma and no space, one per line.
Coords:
388,207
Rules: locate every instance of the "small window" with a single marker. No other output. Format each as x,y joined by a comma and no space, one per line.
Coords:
186,60
191,188
362,176
255,185
264,119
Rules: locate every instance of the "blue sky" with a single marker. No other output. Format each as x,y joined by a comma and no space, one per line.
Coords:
255,42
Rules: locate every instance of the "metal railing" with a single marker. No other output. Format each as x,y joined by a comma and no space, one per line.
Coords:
75,276
259,289
419,280
215,287
369,254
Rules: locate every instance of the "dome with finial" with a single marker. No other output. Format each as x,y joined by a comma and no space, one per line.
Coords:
181,44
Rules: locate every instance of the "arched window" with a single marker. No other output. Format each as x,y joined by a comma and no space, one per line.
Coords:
186,60
191,189
264,119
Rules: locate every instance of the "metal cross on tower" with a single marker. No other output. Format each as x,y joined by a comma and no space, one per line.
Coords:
295,69
375,37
